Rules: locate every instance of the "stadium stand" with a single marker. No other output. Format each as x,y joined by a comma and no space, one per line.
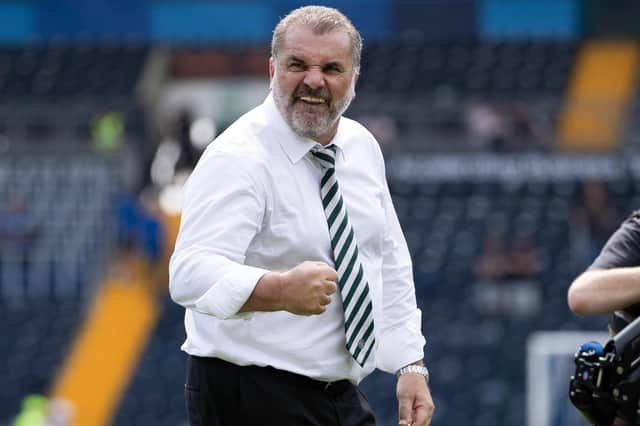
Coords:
444,223
50,94
53,253
59,198
59,230
415,64
428,87
52,71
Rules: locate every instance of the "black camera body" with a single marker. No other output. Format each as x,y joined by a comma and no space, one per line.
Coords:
606,383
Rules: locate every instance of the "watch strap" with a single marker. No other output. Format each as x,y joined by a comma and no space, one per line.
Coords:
414,369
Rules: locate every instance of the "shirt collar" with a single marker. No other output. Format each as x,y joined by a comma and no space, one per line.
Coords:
294,145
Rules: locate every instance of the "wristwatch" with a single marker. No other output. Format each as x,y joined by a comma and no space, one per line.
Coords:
414,369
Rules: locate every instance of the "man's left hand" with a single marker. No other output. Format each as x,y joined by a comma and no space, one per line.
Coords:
415,405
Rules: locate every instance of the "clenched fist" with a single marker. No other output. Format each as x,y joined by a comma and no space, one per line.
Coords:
307,288
303,290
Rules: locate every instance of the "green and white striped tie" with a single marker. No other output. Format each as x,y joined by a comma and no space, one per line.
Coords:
353,285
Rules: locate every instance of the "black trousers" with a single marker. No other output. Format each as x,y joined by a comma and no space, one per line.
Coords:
219,393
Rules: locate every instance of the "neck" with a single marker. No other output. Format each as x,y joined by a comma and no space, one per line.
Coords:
326,138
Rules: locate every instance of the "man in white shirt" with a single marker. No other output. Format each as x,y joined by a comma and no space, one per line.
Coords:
290,301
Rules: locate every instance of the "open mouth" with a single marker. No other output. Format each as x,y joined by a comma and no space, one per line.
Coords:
312,100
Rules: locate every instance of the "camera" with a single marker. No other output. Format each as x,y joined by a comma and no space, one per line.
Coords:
606,384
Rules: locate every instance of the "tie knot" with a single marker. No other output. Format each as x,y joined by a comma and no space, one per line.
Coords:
325,156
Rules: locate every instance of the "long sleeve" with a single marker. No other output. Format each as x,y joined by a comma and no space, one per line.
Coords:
252,205
401,340
222,212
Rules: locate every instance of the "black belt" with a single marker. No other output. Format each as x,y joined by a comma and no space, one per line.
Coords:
337,386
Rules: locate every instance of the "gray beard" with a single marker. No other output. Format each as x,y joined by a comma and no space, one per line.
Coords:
312,128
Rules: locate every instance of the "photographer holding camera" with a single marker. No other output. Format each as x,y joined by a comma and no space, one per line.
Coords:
610,285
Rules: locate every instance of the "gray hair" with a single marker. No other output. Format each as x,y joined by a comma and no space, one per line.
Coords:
321,20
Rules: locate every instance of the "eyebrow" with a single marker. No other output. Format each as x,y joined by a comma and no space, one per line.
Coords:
337,64
294,58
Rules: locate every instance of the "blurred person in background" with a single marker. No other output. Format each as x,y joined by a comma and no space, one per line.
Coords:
265,244
594,217
384,128
506,273
486,126
18,227
504,127
19,231
189,155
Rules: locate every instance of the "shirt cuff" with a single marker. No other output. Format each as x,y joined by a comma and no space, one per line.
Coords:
225,298
401,345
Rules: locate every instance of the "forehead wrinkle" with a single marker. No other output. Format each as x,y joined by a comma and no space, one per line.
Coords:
317,48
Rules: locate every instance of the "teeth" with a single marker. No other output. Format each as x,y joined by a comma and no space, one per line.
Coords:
312,100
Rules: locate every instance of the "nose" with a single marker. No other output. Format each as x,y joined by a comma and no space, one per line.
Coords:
314,78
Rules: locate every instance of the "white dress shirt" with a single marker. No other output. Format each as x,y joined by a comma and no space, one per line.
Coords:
253,205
